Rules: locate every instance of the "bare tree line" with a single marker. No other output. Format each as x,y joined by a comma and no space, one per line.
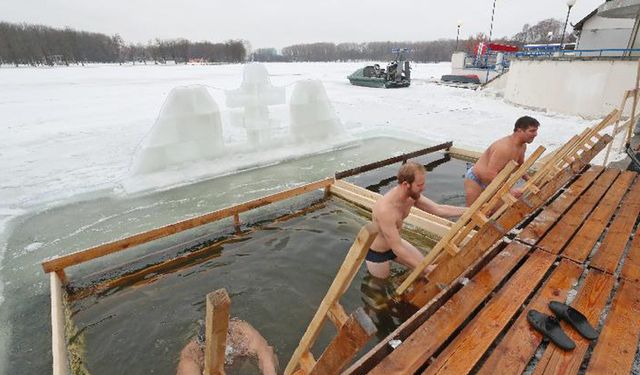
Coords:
43,45
37,45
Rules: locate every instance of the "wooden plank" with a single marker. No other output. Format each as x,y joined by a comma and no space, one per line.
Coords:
519,344
307,363
561,233
370,359
436,228
63,262
591,299
375,196
430,336
587,236
392,160
535,230
467,348
337,315
631,268
58,342
351,337
343,279
464,154
614,243
450,267
616,346
462,221
216,325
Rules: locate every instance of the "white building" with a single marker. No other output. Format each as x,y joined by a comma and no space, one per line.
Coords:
613,25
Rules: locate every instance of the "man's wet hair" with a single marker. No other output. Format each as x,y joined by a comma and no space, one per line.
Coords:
408,172
525,122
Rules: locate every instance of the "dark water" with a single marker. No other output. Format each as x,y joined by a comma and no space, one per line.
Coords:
24,316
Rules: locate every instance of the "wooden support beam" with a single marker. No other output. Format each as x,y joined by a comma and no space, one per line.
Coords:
63,262
366,199
343,279
216,326
464,154
58,342
395,159
463,220
351,337
631,268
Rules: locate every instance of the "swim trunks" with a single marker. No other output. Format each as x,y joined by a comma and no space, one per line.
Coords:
472,176
380,257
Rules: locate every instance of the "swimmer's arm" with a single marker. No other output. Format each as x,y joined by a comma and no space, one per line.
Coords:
387,226
442,210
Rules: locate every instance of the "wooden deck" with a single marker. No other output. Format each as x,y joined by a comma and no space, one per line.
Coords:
582,246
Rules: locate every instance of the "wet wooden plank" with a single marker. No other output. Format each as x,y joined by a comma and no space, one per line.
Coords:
519,344
616,346
468,347
582,243
351,337
612,247
631,268
591,299
548,217
555,239
426,339
217,322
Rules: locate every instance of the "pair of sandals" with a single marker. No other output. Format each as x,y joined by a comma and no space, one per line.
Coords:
550,327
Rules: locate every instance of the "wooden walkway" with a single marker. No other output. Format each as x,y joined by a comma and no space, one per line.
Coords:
583,244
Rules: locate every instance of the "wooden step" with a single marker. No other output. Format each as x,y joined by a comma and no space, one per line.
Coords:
613,245
535,230
555,240
580,246
591,299
616,346
519,344
631,268
475,339
430,336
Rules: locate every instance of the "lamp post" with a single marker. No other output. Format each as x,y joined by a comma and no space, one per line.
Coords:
570,3
458,35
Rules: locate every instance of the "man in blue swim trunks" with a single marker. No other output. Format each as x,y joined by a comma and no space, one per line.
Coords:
390,211
511,147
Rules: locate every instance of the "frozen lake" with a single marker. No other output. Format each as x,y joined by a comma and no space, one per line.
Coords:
68,136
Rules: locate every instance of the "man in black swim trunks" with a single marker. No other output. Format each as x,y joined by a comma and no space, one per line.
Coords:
390,211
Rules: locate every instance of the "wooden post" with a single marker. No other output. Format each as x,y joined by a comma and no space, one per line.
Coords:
58,348
635,103
217,324
343,279
462,221
236,223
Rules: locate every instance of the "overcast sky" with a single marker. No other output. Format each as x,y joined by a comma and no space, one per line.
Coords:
278,23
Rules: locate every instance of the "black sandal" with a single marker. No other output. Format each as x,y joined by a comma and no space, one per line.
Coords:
575,318
550,328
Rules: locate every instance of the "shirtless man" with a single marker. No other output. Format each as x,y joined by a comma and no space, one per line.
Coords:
511,147
390,211
242,341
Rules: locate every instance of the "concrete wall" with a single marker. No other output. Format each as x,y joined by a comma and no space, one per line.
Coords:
587,88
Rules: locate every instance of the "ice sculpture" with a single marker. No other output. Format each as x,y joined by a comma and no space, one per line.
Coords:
254,95
188,129
312,116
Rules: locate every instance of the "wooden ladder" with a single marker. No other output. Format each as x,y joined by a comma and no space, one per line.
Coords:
353,330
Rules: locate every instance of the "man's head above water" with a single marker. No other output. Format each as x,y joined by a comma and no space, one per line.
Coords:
411,177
